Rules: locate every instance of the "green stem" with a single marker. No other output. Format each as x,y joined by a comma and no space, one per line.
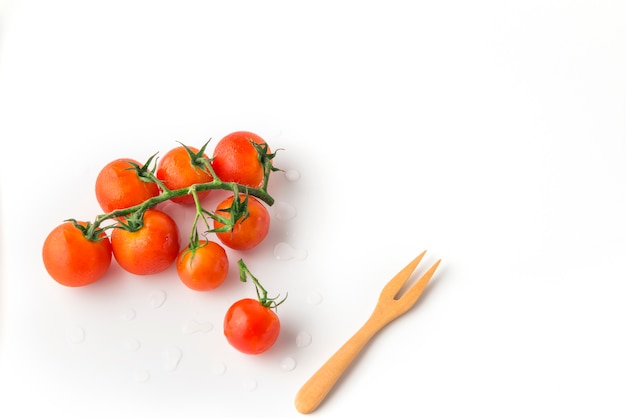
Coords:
261,293
154,179
194,239
146,173
169,194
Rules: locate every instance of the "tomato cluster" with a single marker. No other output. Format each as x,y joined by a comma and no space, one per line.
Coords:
145,240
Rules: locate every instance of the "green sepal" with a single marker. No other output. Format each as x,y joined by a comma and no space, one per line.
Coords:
265,158
132,222
197,158
146,171
238,211
89,230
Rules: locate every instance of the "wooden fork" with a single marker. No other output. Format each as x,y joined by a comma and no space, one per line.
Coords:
390,306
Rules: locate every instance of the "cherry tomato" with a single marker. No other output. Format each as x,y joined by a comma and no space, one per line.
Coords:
179,169
204,267
118,186
251,327
236,159
150,249
74,260
248,232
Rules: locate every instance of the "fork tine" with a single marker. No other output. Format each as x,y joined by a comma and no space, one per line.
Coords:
394,285
416,290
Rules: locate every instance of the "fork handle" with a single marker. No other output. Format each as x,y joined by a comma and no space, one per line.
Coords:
313,392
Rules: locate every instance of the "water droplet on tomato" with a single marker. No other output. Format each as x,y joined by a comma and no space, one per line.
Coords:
171,358
284,251
157,298
75,334
292,175
303,339
288,364
284,211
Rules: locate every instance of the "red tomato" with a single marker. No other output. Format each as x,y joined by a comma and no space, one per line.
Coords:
150,249
74,260
247,232
251,327
118,186
178,169
204,267
235,159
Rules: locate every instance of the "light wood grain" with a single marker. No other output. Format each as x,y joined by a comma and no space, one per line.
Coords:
389,307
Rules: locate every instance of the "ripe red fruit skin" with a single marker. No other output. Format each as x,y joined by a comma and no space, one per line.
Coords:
176,171
118,186
71,259
236,160
149,250
250,327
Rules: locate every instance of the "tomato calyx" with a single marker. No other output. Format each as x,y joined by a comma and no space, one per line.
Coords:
238,212
146,171
90,230
132,222
198,161
262,297
265,158
193,246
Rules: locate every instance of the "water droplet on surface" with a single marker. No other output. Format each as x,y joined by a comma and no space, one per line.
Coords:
132,344
75,334
284,211
141,375
314,298
292,175
128,314
157,298
249,384
218,368
288,364
171,358
303,339
193,326
284,251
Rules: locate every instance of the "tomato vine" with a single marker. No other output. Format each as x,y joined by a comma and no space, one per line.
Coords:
147,173
240,222
145,240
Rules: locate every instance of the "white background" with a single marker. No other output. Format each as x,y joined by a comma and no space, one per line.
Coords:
491,133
